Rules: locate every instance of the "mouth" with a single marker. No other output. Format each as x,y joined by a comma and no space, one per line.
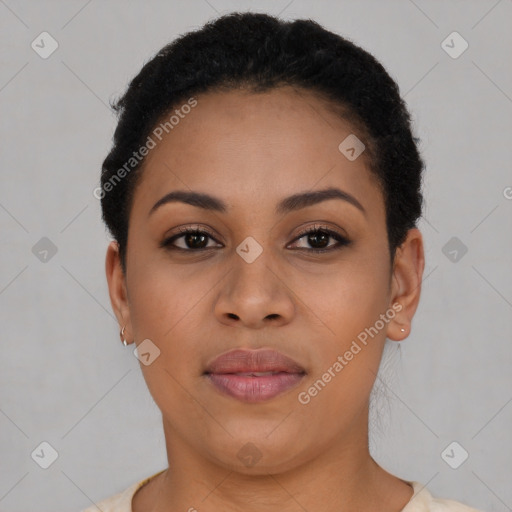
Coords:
248,387
254,376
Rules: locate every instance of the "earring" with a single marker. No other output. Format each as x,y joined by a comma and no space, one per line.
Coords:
402,329
121,334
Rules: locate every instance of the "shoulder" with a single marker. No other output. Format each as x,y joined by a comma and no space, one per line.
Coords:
423,501
121,502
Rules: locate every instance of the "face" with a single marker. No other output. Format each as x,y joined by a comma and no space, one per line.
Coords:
252,277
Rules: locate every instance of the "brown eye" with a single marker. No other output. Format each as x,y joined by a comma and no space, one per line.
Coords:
318,239
192,240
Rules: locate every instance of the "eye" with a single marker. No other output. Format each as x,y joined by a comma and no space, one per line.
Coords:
318,237
194,239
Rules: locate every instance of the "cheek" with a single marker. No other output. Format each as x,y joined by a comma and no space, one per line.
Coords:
160,297
348,298
165,307
171,306
350,303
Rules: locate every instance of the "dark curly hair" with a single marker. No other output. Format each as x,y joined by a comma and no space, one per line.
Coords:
258,52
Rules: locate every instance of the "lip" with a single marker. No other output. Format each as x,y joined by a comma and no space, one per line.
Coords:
235,374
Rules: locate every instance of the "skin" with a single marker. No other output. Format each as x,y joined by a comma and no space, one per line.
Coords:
252,150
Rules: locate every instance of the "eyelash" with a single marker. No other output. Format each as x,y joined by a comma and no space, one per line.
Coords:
342,241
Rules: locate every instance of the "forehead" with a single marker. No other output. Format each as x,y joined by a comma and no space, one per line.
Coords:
246,145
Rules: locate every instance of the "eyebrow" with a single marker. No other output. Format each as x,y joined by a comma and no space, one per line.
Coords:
289,204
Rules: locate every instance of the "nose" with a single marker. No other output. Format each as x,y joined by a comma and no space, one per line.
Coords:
254,295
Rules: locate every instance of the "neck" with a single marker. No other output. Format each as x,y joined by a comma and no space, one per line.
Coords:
341,477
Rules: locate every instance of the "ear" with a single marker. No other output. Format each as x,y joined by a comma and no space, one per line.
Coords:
117,288
408,269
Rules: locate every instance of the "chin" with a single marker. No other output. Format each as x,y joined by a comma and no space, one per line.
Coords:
258,454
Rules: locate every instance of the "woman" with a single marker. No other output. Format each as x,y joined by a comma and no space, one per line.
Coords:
263,191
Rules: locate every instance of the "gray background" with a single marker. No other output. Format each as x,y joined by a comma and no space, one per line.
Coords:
65,377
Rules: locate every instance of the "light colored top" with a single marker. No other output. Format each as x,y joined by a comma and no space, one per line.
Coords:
421,500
